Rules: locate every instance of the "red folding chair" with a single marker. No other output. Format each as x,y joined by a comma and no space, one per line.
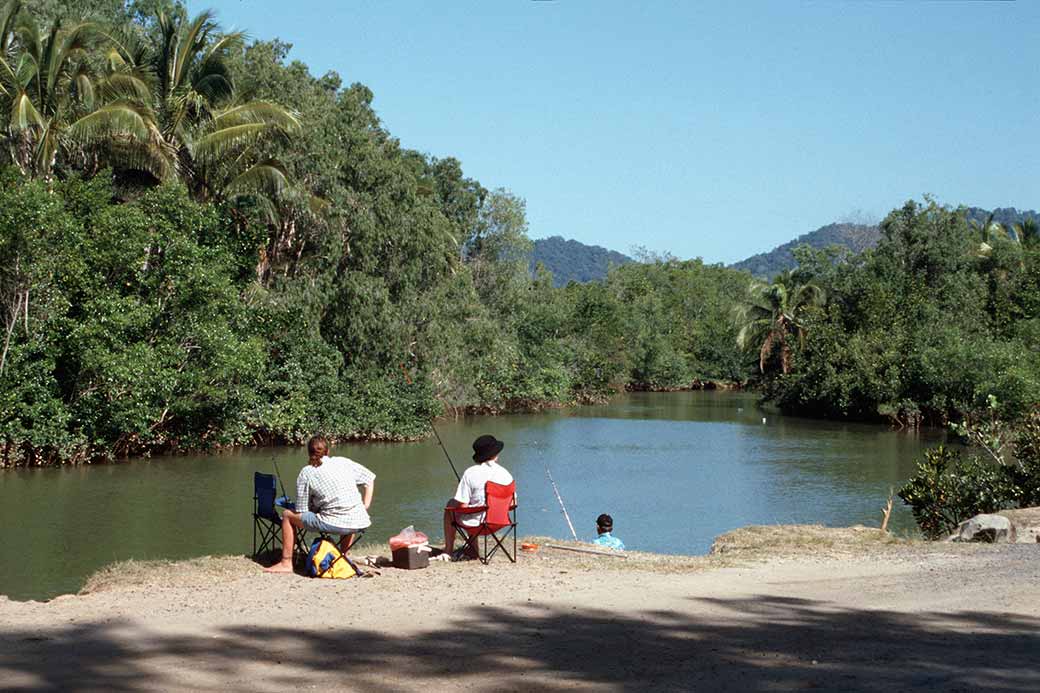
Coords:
499,514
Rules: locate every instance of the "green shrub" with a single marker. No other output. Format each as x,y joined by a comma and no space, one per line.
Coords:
947,489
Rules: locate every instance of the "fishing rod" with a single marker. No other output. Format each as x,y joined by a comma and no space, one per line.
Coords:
278,474
440,442
560,498
446,455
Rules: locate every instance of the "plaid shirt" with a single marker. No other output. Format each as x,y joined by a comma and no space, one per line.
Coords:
330,491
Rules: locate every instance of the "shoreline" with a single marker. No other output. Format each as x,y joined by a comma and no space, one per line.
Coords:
528,408
835,609
744,545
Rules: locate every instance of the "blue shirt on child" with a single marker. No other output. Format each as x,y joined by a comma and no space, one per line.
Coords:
610,542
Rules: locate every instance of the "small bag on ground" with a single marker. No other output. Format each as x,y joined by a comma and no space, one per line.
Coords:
408,537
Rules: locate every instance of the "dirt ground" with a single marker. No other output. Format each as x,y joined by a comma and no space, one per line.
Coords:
774,609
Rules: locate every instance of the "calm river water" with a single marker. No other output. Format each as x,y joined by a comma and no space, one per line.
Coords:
674,470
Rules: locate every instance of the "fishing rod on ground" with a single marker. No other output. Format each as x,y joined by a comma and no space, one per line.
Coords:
438,435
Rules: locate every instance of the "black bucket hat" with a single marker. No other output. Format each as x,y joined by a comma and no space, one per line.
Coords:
486,447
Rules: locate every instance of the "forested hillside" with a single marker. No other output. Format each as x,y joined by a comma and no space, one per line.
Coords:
570,260
857,238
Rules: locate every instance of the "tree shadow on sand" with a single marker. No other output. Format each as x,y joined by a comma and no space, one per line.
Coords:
764,643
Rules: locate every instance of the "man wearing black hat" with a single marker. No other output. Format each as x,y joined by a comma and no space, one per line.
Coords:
470,491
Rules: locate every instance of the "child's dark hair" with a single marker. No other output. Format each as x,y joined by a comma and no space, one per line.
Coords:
605,522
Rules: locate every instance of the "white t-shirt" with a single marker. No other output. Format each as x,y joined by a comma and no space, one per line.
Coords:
471,488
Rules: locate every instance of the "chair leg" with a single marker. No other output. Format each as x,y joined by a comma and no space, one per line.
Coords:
468,541
499,545
265,534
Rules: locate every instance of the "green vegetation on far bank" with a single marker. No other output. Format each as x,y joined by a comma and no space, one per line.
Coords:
202,244
923,329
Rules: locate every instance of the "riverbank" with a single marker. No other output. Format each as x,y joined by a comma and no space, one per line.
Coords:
259,440
845,609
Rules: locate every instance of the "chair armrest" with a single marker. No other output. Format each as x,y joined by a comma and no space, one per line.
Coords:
466,509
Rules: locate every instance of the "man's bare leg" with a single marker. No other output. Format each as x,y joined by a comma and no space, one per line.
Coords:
290,521
449,527
346,541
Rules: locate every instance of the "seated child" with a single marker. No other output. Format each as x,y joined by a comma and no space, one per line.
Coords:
604,525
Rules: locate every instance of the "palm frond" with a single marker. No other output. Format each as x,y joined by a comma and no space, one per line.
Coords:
155,158
218,143
47,148
24,114
28,36
265,112
266,178
115,119
8,78
189,44
215,85
8,21
83,87
130,86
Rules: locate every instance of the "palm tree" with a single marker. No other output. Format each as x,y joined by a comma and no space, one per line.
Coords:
216,137
988,232
170,109
1027,232
45,85
772,314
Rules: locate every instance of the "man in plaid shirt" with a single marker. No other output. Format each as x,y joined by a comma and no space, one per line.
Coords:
327,500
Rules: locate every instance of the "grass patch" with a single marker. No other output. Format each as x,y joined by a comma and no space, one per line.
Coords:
194,572
777,541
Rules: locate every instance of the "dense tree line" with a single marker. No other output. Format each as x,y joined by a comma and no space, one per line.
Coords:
203,244
942,315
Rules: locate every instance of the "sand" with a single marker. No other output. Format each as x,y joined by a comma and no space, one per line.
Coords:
776,609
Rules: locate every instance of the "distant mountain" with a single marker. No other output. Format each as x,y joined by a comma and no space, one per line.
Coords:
1002,215
857,238
574,261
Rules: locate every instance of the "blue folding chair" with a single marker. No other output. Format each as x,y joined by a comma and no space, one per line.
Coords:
267,523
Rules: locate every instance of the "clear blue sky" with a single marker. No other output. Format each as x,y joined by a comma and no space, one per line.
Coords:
706,130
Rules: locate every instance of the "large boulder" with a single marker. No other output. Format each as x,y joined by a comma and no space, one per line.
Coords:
987,528
1026,522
